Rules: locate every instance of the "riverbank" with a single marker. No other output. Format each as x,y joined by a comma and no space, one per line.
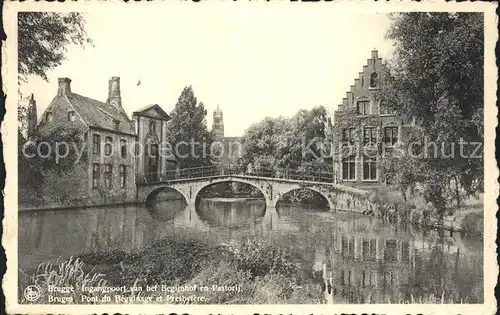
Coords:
248,273
23,208
468,219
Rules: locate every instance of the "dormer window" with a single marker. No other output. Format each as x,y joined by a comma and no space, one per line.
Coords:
71,116
49,117
117,124
374,80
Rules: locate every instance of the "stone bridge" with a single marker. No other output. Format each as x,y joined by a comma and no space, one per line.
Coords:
339,197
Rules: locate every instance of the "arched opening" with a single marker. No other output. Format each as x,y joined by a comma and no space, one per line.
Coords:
374,80
165,203
230,204
302,199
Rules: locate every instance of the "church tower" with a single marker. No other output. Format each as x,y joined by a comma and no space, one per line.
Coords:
28,116
32,115
218,124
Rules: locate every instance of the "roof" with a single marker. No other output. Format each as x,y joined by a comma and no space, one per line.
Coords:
153,111
101,115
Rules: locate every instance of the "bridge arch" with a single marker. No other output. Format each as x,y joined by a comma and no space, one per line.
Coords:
151,196
232,180
331,206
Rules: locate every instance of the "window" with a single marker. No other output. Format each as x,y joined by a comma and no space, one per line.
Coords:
364,107
349,168
385,109
390,136
123,176
388,179
370,168
71,116
107,146
123,148
96,144
49,117
152,127
96,173
152,150
370,135
117,124
348,135
108,175
374,80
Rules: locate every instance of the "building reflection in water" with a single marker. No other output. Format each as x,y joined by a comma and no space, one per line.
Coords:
357,269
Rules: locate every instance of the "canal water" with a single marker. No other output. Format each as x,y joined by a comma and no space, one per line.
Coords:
360,258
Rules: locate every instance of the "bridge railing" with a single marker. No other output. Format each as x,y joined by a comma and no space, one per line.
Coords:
293,175
177,174
212,171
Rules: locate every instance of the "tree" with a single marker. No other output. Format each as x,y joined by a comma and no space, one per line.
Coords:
42,40
294,143
438,80
187,131
46,167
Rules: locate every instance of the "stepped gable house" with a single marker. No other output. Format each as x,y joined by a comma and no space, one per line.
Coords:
109,173
365,128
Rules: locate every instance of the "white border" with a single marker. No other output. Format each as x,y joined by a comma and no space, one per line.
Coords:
9,137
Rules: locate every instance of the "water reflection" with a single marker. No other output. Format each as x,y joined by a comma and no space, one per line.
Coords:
167,210
231,215
359,259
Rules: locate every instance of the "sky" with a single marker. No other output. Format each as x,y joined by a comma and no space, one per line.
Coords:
252,63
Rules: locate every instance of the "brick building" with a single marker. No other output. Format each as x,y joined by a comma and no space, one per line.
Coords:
365,128
108,174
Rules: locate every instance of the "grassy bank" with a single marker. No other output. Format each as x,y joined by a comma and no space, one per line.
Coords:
469,219
248,273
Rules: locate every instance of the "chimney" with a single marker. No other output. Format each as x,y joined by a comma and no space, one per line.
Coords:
64,86
374,54
114,97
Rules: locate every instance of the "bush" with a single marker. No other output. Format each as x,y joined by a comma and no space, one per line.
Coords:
104,257
65,273
169,261
261,259
306,196
264,273
473,223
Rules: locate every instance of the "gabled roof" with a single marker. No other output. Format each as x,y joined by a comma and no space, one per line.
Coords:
100,115
152,111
